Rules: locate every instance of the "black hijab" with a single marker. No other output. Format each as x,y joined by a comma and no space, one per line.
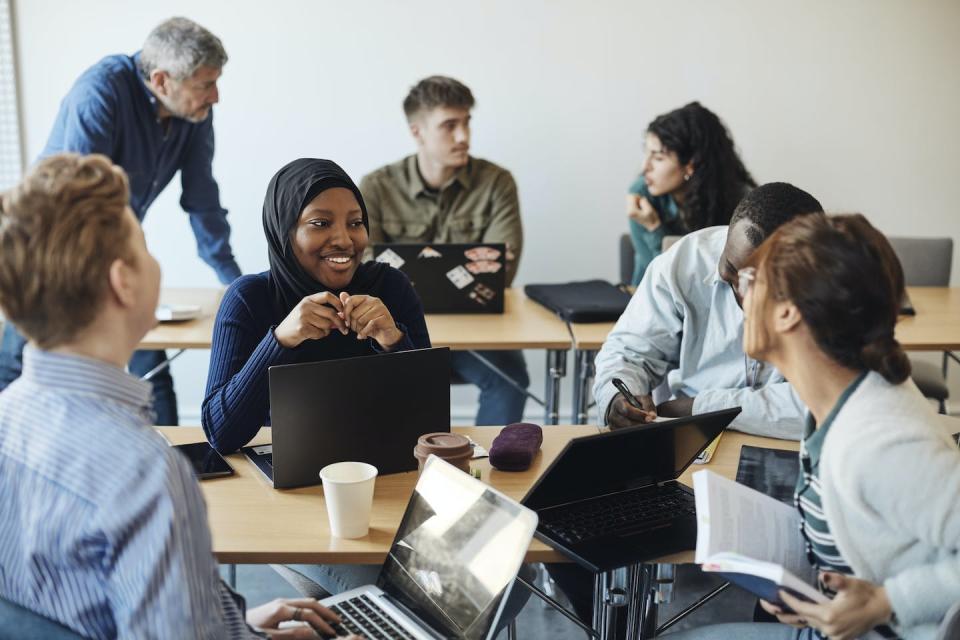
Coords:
290,190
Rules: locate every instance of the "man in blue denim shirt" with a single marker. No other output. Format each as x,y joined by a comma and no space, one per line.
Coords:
151,113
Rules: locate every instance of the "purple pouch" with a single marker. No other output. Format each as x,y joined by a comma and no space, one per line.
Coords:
515,447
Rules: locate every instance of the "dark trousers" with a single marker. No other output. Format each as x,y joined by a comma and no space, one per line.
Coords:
577,584
500,402
164,397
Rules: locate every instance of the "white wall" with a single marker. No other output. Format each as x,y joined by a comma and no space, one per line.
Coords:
855,101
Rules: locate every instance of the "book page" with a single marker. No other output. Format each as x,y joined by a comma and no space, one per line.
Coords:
734,518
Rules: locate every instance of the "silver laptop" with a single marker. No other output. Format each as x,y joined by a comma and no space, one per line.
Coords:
451,567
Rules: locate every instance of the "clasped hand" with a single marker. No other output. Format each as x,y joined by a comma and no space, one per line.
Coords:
317,315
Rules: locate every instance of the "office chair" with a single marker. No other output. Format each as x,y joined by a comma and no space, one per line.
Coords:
927,262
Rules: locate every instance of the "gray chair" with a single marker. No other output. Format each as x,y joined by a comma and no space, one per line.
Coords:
23,624
927,262
626,258
668,241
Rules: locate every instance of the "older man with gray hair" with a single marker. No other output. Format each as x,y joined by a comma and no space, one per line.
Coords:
151,113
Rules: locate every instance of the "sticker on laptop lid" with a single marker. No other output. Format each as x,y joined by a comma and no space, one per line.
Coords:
392,258
483,291
429,252
482,253
483,266
460,277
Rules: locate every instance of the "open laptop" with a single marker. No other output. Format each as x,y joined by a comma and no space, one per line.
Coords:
369,409
451,567
451,278
612,499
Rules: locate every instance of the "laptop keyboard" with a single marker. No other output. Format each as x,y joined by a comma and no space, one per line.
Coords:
362,616
622,514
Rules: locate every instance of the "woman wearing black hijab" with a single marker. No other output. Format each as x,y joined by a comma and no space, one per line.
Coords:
317,301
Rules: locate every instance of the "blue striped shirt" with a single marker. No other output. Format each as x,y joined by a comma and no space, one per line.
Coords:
103,527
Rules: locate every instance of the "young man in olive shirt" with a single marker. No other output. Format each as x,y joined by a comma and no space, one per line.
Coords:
441,194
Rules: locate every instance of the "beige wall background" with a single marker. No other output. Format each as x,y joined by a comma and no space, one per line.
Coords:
855,101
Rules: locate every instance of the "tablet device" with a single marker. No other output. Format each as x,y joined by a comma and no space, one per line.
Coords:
204,459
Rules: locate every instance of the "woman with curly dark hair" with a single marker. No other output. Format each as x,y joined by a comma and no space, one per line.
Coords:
692,178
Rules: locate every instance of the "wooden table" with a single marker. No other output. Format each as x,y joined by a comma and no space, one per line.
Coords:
523,325
253,523
936,327
185,334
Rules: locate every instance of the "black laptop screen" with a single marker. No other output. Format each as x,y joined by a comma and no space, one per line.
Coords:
451,278
626,459
457,552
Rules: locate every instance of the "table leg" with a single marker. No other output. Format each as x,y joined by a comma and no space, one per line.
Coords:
644,605
625,603
577,389
163,365
583,374
232,576
556,370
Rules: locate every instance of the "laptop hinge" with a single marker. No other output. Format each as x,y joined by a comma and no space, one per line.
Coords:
603,495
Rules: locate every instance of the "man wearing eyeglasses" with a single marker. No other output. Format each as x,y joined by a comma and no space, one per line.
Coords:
684,327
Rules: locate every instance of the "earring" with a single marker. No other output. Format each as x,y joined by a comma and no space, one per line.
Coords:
686,178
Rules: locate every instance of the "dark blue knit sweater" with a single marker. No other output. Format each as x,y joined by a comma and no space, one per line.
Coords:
237,401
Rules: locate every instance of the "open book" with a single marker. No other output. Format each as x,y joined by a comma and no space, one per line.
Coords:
751,539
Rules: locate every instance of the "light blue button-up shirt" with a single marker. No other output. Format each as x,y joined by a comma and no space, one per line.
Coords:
684,325
102,525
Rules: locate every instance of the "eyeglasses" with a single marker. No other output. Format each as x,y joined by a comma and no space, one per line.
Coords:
745,279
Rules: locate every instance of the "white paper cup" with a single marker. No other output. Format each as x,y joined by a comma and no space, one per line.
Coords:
348,492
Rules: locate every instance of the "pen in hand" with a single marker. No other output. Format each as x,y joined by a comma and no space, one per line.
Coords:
632,399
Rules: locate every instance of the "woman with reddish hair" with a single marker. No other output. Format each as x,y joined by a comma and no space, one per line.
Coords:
880,474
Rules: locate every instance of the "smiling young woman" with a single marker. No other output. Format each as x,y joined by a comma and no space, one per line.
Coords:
317,302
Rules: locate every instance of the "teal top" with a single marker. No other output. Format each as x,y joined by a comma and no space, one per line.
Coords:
821,546
646,244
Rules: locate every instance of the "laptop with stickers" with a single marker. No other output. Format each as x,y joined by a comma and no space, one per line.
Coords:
451,278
